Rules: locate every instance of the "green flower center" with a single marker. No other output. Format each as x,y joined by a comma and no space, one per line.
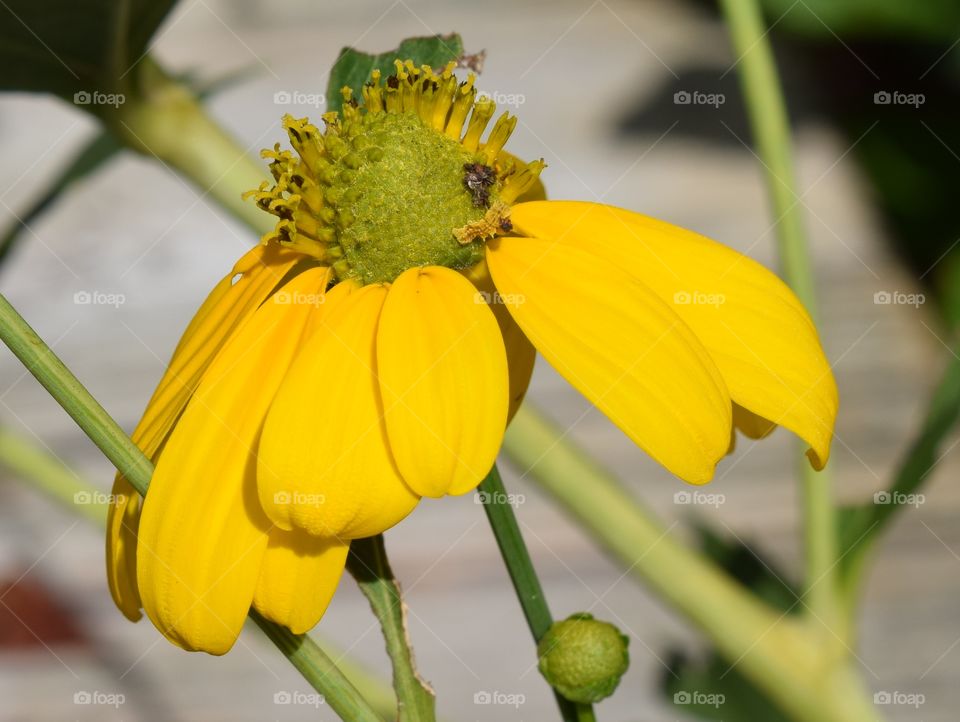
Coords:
395,182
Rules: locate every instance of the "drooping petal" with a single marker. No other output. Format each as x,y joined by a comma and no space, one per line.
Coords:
202,532
444,381
521,355
298,577
324,461
622,347
751,425
754,327
230,303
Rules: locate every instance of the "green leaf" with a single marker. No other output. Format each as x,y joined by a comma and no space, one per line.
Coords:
353,67
67,47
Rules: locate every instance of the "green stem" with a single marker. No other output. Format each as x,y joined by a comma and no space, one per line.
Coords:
40,361
165,120
771,130
515,555
369,566
45,472
774,651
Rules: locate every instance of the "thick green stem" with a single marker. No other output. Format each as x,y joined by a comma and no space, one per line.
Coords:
369,566
776,652
318,669
771,131
513,549
165,120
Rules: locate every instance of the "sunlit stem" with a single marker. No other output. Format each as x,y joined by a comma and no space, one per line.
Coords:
771,131
165,121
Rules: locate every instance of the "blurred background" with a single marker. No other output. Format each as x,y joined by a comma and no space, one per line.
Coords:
633,103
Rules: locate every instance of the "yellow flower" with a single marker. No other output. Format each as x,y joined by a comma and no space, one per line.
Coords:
372,349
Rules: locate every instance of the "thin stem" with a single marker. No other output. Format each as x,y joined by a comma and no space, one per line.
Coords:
166,121
774,651
771,130
45,472
317,668
515,555
369,566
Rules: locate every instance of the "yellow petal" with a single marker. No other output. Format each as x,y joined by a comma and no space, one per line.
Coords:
443,379
521,355
232,300
754,327
123,520
620,346
202,532
536,192
298,577
324,464
751,425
